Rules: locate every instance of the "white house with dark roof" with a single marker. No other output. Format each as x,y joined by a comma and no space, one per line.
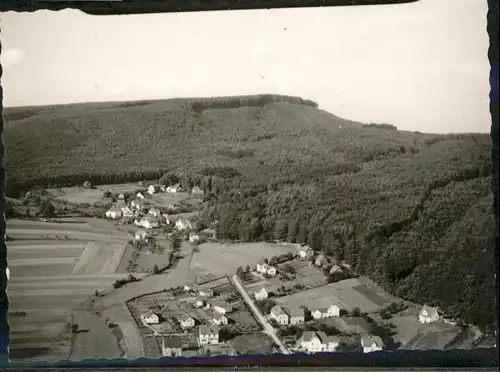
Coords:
261,294
304,251
127,212
222,307
264,268
316,342
321,260
149,222
150,318
428,315
371,343
216,318
208,335
139,196
174,188
172,346
279,314
183,224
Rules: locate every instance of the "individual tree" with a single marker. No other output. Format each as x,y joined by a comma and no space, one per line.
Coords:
47,210
240,273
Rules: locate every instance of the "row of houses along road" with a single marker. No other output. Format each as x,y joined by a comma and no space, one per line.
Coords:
267,327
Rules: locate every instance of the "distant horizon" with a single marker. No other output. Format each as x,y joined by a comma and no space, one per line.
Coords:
420,66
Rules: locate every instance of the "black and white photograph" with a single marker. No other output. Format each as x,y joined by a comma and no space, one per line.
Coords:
309,180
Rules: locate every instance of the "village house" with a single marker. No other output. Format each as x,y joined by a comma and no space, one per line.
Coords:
296,315
428,314
183,224
139,195
199,302
280,315
222,307
121,196
321,261
197,191
217,319
152,189
113,213
304,251
189,286
174,188
148,222
186,321
141,235
264,268
150,318
205,292
166,218
193,237
154,212
371,343
315,342
329,312
208,335
261,295
172,346
135,205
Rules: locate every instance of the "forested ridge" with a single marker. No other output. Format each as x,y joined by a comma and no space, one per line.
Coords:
412,211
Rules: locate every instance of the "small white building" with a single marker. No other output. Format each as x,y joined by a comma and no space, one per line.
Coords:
183,224
174,188
114,213
316,342
264,268
193,237
428,315
262,294
296,315
140,235
279,314
148,222
304,251
205,292
222,307
199,302
186,321
330,312
208,335
371,343
121,196
151,189
321,261
139,196
150,318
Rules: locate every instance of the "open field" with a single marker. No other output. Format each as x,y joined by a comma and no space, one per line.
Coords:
307,276
221,259
348,325
346,294
257,343
414,335
54,268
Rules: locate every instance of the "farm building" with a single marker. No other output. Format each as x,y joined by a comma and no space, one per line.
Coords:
296,315
127,212
321,261
217,319
174,188
154,212
197,191
113,213
428,314
199,302
183,224
371,343
172,346
330,312
222,307
141,235
261,295
148,222
278,314
150,318
315,342
139,195
186,321
208,335
121,196
205,292
264,268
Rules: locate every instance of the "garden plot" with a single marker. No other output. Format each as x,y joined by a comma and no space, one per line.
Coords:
258,343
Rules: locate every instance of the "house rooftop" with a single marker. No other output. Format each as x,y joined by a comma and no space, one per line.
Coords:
184,317
278,310
369,340
206,330
295,311
431,311
324,338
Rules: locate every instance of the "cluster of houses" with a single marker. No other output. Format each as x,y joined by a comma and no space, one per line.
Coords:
318,341
294,316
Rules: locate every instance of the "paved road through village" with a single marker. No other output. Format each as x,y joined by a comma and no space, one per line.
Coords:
268,328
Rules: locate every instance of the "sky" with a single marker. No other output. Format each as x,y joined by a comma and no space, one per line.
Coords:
421,66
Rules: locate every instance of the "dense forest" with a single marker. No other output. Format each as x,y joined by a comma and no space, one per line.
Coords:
412,211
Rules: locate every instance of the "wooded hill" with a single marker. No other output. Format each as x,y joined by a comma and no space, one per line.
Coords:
412,211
